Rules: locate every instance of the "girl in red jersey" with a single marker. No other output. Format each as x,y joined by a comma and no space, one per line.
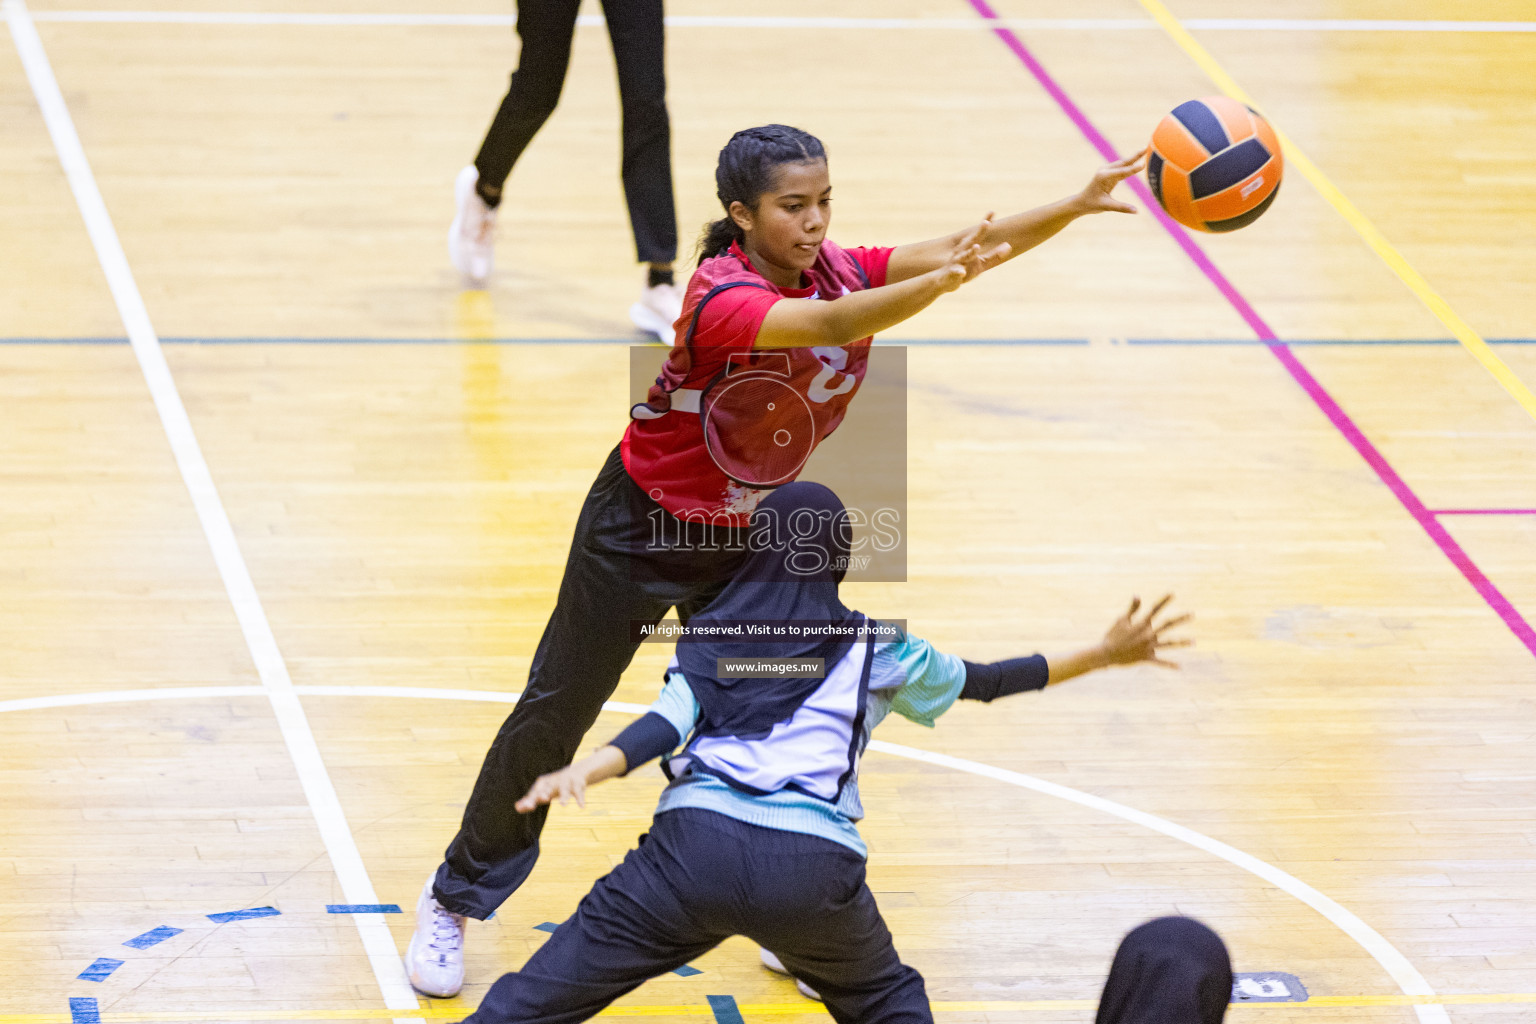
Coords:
664,525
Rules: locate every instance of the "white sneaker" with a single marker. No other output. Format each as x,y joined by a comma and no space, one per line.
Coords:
776,965
472,237
435,958
657,310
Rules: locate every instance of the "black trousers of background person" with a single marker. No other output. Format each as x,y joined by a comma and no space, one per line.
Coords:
639,44
618,573
697,879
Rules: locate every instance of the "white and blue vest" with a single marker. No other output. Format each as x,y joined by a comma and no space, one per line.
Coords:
814,751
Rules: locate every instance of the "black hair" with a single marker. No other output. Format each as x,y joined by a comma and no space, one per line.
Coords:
746,170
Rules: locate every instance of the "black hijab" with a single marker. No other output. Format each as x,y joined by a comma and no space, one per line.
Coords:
1173,970
797,553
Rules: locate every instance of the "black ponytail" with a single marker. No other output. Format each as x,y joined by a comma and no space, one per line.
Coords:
746,170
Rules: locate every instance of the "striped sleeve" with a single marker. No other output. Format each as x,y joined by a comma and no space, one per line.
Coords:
927,680
676,704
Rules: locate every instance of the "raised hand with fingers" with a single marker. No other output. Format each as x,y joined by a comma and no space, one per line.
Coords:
1131,640
1098,195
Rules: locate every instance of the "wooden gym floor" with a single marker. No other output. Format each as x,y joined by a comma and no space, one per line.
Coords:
1339,780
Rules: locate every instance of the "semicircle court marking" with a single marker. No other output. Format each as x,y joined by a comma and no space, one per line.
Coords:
1408,979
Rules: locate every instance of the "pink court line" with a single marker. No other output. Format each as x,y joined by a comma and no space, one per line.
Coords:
1315,391
1482,511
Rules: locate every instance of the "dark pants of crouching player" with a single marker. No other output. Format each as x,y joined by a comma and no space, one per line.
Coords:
697,879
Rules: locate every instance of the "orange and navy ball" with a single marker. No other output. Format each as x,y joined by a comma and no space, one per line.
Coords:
1215,164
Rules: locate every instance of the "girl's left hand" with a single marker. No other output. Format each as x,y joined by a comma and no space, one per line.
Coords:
1131,639
1097,196
972,256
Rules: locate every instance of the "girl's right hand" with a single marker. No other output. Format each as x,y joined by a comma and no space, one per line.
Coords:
969,259
566,784
1098,195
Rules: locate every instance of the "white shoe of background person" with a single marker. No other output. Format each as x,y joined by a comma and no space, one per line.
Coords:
472,236
658,309
435,958
774,964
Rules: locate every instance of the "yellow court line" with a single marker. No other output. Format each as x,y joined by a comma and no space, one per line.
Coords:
1463,332
748,1009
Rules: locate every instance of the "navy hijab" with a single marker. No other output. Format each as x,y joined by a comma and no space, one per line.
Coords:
1173,970
797,554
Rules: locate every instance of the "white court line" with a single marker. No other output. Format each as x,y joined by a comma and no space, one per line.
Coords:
1395,963
77,700
273,671
315,18
585,21
1383,952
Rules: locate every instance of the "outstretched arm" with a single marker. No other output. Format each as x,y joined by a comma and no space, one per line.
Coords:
1023,231
651,735
1130,640
807,323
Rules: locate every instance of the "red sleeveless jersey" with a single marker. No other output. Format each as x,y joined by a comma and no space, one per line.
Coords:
724,423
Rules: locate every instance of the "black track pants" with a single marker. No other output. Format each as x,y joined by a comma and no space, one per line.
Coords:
617,574
639,47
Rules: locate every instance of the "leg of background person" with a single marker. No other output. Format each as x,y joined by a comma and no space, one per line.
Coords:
639,50
545,28
638,921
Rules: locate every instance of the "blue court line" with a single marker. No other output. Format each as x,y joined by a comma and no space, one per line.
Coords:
911,342
83,1010
100,969
637,340
243,915
684,971
1336,342
362,908
1012,342
726,1011
153,937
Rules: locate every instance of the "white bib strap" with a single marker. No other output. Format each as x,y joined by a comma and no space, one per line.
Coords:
683,400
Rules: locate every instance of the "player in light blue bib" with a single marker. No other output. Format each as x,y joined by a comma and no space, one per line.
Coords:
772,697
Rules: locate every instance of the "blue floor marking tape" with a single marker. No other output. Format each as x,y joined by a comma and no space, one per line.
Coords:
100,969
685,971
1268,987
243,915
153,937
83,1010
362,908
726,1010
